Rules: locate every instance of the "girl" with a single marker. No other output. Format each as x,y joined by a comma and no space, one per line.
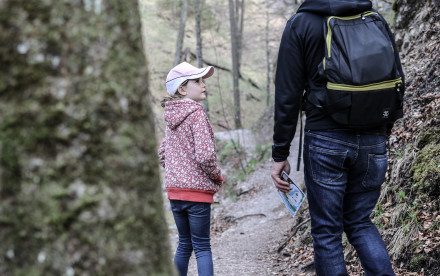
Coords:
192,174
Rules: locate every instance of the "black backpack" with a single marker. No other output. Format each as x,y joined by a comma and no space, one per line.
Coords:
363,84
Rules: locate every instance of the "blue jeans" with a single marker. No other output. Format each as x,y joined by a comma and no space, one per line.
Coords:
344,171
193,221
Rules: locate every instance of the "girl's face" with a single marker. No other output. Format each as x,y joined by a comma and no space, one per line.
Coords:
194,89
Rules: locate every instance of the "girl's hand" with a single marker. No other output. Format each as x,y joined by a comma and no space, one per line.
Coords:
219,180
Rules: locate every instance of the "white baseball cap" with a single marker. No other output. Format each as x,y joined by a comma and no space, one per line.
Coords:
185,71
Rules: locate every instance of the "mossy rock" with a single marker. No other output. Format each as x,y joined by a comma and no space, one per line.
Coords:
426,168
418,261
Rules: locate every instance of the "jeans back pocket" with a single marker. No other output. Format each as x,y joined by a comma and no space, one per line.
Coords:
327,165
375,175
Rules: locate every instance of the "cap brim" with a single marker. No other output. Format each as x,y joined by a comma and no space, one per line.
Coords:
208,72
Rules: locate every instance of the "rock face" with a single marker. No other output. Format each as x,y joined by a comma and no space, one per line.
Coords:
382,6
79,182
414,175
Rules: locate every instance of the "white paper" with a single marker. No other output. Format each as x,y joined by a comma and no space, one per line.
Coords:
294,198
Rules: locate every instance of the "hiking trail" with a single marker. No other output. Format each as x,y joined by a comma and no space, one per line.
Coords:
246,231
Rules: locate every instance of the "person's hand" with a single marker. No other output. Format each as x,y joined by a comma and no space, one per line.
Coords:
219,180
277,168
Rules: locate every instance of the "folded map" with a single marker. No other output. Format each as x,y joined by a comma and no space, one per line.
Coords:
294,198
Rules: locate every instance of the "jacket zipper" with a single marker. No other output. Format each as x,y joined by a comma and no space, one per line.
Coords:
329,31
367,87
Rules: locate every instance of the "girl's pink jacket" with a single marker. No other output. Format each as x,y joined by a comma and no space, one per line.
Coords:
188,153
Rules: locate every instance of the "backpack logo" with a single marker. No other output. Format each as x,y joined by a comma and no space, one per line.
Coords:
364,86
385,114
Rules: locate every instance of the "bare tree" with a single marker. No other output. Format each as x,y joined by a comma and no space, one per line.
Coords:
179,43
199,46
235,52
239,17
269,73
198,34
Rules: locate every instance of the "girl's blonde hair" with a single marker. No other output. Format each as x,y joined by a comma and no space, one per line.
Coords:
175,97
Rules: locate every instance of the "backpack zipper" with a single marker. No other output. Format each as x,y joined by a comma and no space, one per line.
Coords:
329,31
367,87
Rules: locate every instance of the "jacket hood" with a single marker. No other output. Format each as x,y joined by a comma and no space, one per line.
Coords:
177,111
336,7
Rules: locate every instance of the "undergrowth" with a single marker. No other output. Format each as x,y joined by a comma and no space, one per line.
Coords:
237,163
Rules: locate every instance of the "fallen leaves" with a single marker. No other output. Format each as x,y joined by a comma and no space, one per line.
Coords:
429,239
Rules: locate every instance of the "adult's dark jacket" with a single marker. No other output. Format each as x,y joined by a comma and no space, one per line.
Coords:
301,50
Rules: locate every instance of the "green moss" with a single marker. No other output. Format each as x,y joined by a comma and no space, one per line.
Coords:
308,240
426,169
418,261
415,245
73,162
63,219
428,137
11,172
394,6
434,227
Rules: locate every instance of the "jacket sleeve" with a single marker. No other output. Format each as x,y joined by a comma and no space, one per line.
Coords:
289,87
162,152
205,151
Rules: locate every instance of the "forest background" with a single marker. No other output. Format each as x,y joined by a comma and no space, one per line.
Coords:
407,214
80,186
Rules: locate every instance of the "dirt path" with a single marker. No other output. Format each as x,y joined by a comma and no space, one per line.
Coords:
246,231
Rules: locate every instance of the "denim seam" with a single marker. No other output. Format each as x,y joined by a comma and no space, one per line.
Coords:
326,138
331,151
355,157
373,146
367,172
331,140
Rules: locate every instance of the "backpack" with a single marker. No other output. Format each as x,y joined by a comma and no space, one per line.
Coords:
363,84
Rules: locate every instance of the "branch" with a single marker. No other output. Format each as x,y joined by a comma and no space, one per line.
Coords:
250,96
281,247
233,219
223,126
253,83
249,80
306,265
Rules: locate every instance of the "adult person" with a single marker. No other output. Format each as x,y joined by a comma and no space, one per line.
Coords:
344,168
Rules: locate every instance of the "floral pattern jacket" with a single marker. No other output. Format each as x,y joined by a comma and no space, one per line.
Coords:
188,153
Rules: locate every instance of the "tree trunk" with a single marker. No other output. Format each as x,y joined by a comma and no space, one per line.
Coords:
199,47
181,33
240,20
268,73
77,143
235,64
198,34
